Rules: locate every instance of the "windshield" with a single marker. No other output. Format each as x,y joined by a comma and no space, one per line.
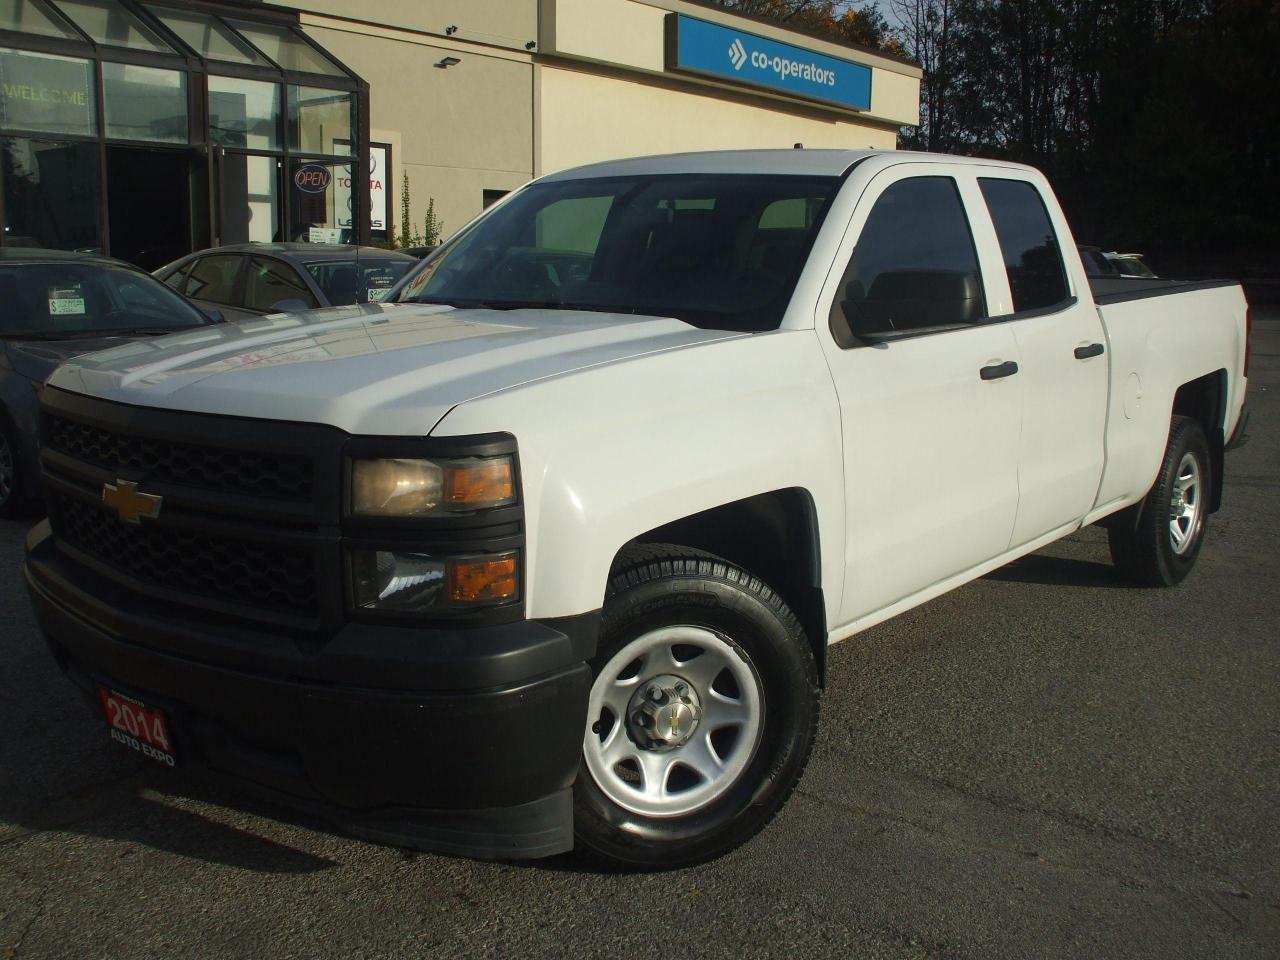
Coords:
366,280
720,251
66,300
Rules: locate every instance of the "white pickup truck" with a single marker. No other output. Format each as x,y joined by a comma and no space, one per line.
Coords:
548,551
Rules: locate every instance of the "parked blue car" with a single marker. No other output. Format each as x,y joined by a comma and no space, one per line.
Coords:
56,305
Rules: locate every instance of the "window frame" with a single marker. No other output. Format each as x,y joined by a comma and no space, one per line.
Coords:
196,68
880,184
1060,230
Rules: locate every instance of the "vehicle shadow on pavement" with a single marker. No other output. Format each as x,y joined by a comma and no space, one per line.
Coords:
153,809
1059,571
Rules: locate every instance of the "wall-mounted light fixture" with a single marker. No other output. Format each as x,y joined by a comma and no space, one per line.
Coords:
450,30
447,62
531,44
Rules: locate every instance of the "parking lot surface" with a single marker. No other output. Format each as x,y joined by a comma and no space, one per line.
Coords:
1045,763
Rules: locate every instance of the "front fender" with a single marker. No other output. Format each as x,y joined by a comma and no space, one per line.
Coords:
616,450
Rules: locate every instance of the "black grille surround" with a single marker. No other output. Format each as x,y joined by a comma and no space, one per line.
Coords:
253,523
255,473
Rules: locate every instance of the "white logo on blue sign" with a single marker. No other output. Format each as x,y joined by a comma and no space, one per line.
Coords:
737,54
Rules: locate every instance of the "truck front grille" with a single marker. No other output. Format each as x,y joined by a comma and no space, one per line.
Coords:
253,473
245,526
232,571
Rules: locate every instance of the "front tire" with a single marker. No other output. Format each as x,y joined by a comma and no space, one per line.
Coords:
702,713
1156,542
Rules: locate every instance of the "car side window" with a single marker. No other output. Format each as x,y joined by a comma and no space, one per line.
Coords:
270,281
915,267
213,278
1032,257
176,278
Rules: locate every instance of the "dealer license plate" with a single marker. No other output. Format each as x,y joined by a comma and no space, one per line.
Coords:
138,726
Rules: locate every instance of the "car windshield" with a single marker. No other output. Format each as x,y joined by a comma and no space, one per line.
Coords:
720,251
363,280
67,300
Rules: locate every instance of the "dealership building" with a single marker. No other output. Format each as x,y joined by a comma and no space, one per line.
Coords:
150,128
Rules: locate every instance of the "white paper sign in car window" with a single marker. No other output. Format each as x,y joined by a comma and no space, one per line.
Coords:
66,301
378,288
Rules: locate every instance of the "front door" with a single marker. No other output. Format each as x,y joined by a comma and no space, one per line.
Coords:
929,393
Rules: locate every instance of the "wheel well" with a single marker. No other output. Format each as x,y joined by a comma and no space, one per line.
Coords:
1205,400
773,535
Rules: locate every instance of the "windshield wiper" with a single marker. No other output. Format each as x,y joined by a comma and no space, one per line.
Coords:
149,331
478,304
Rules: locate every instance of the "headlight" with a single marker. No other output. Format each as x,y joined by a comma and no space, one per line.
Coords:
422,488
406,582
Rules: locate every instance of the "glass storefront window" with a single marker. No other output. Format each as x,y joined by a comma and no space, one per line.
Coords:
109,23
319,208
250,205
45,93
209,37
320,120
244,113
286,48
51,193
145,103
33,16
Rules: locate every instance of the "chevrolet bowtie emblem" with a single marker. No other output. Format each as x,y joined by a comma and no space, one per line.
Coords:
130,505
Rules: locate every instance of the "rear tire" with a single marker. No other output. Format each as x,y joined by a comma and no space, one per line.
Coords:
714,695
1156,542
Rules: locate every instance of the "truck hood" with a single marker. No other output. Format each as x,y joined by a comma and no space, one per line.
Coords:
393,369
36,359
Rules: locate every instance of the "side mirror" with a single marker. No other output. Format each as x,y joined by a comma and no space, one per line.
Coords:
214,314
292,305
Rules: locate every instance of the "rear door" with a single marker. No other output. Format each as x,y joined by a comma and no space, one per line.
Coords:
929,392
1062,352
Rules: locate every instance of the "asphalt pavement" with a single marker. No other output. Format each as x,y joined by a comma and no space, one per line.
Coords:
1044,763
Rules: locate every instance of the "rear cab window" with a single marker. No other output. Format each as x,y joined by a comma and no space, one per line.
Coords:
1028,244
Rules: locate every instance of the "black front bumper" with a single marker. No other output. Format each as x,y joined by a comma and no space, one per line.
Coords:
462,741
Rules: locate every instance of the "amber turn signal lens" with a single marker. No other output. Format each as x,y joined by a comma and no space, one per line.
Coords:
481,483
472,581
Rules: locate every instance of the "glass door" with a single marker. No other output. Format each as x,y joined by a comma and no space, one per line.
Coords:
248,199
320,201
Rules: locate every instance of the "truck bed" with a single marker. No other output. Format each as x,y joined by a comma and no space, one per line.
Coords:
1120,289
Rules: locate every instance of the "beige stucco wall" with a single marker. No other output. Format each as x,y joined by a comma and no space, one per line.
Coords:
630,33
460,130
594,89
509,23
585,117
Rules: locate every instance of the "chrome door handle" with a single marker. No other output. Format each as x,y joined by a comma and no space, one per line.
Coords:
997,370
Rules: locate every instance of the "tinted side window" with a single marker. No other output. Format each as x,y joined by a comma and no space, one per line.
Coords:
270,281
214,279
175,278
1030,247
915,266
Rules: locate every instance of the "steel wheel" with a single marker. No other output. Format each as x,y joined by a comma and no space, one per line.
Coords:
674,718
1186,508
8,472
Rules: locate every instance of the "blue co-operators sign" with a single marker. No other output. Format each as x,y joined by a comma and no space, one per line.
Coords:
696,46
